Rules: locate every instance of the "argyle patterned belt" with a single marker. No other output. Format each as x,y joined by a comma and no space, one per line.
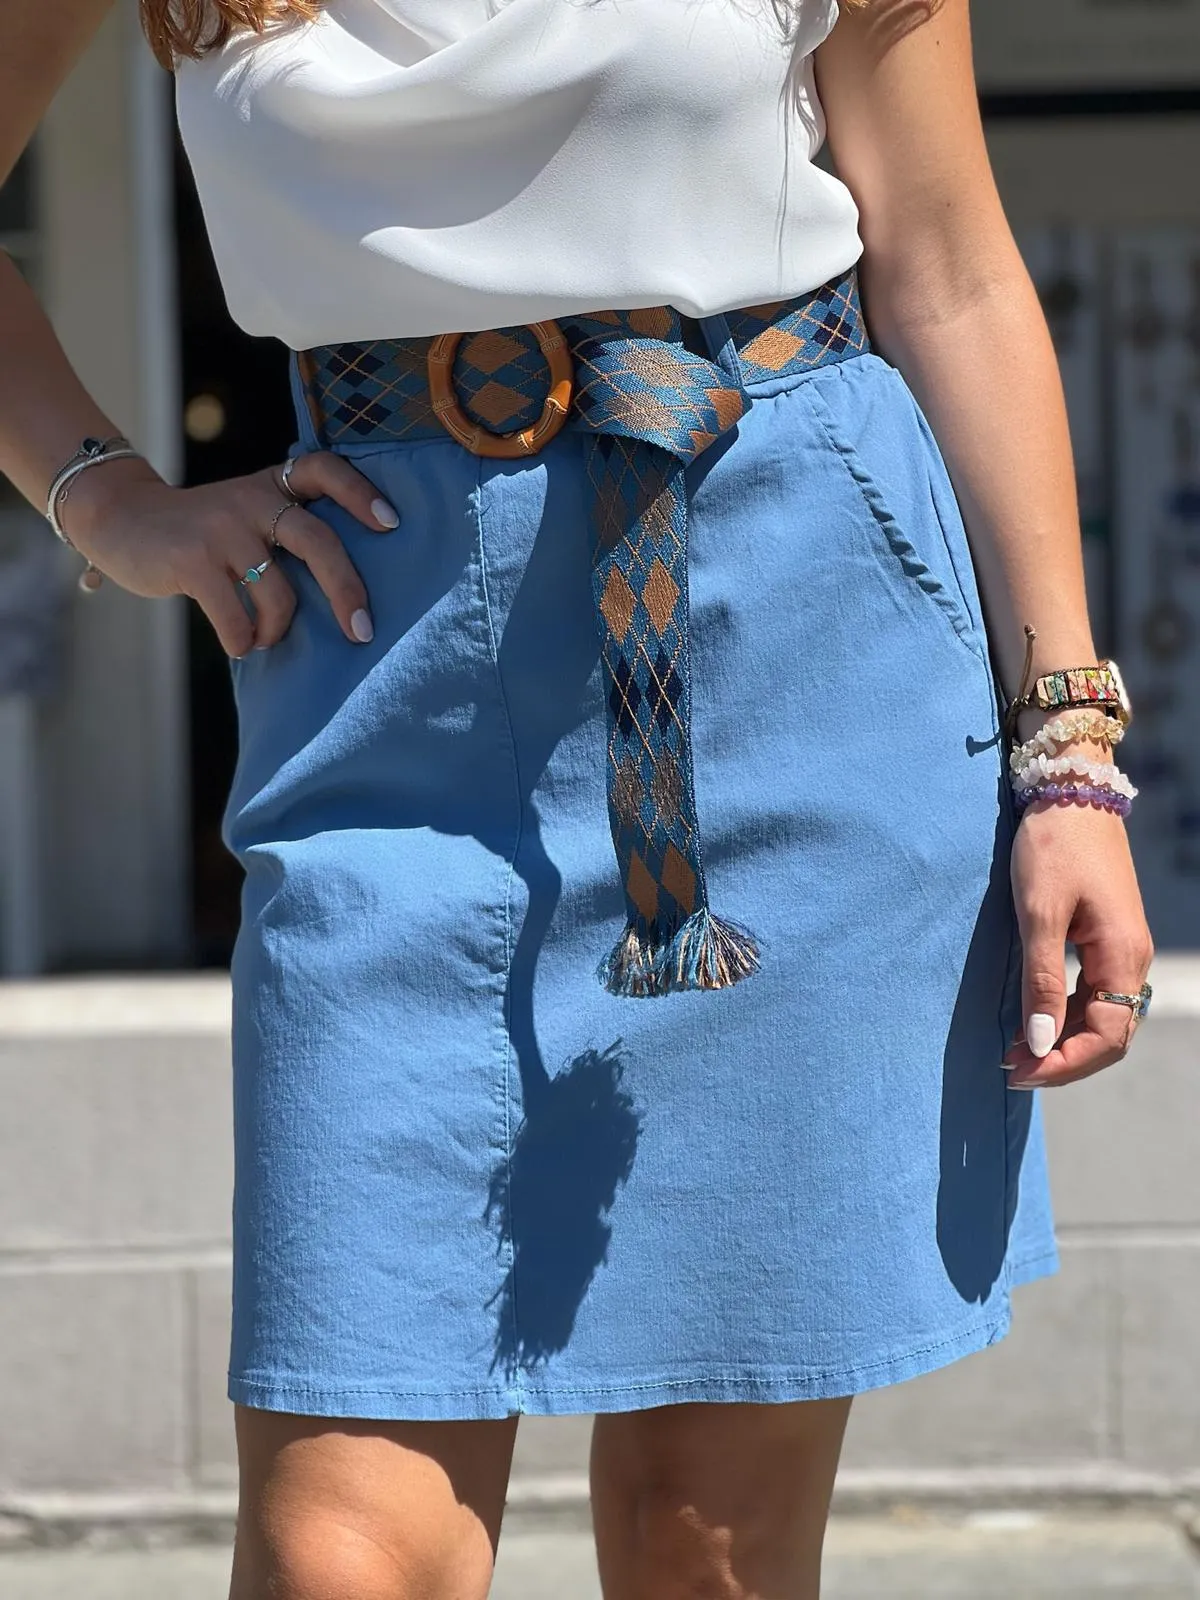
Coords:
638,384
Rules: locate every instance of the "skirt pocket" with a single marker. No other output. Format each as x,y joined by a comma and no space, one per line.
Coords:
873,424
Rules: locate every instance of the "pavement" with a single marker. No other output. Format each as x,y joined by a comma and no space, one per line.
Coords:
907,1555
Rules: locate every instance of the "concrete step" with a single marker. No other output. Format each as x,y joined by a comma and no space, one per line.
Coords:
1011,1556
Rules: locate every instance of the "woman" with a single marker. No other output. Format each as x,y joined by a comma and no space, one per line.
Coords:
636,631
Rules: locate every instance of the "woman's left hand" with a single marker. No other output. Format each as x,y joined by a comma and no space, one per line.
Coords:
1073,880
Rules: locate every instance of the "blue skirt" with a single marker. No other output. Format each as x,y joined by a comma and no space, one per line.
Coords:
469,1181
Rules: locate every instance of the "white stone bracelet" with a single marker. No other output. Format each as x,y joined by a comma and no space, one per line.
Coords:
1074,725
1041,768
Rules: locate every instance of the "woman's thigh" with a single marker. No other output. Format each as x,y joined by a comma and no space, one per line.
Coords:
359,1507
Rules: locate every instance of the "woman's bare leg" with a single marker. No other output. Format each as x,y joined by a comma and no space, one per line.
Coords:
343,1509
725,1501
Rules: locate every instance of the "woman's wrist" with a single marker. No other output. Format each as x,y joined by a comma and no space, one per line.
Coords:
1070,760
96,497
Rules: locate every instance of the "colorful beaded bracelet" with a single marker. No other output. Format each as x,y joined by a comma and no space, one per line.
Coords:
1079,794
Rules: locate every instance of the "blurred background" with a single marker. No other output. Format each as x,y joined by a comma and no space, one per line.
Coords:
118,905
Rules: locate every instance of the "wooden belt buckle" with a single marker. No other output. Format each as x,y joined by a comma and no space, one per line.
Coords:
473,435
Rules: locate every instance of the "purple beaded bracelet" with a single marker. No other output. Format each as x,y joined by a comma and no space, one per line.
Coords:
1079,794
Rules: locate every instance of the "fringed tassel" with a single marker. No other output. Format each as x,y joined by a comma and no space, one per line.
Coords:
630,969
705,952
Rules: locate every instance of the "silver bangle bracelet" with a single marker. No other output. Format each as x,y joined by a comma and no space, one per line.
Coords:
90,454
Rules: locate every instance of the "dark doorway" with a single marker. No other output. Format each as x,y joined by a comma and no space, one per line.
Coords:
237,419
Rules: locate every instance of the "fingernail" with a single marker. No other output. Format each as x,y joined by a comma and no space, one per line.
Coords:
1029,1086
1009,1066
362,627
384,514
1041,1033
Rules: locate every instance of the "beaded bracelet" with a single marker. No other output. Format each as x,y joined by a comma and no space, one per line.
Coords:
1094,725
1043,769
1079,794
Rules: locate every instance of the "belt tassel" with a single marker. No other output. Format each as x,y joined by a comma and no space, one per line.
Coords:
652,407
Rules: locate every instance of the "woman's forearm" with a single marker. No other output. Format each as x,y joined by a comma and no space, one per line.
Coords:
949,301
44,409
984,371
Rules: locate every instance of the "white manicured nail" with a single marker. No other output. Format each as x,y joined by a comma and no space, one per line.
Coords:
362,627
384,514
1041,1033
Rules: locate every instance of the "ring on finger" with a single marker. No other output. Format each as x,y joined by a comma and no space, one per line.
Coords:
253,574
272,535
1138,1003
285,478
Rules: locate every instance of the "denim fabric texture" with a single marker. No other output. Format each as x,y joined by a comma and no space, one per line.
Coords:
469,1181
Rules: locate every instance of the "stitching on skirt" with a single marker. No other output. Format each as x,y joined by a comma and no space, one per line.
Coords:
1020,1263
507,1248
775,1375
901,545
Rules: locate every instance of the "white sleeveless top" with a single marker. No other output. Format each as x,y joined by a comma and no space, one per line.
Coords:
424,166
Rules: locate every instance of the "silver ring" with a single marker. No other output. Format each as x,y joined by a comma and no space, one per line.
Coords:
272,535
1138,1003
285,478
253,574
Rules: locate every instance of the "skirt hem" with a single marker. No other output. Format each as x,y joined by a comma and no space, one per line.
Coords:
764,1385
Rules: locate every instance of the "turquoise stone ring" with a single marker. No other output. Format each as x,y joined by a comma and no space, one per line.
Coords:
253,574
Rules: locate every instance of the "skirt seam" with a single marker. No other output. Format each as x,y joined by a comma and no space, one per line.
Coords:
507,1249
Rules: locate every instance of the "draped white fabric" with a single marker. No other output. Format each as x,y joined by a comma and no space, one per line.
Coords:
417,166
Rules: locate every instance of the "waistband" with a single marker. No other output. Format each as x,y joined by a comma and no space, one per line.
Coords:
650,402
379,391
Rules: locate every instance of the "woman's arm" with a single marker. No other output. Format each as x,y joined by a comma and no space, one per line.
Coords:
949,302
42,41
152,539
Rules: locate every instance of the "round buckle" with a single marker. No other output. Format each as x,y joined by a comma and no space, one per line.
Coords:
473,435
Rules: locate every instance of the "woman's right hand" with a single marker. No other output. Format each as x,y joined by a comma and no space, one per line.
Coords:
155,541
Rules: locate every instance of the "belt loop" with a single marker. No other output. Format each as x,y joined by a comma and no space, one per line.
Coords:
721,346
